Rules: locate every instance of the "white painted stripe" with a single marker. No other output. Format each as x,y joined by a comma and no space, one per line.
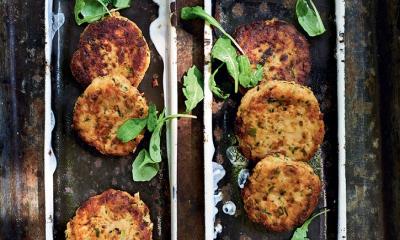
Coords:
48,171
340,56
208,139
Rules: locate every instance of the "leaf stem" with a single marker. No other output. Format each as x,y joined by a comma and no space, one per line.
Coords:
180,115
105,7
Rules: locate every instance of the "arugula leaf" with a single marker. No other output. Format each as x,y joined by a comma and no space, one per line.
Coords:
301,232
193,88
309,18
120,4
87,11
155,146
152,118
143,168
213,85
247,77
189,13
226,53
131,129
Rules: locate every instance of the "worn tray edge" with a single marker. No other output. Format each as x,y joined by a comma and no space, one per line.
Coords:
48,160
340,58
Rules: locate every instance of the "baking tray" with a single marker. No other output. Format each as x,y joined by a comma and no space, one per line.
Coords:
75,171
327,82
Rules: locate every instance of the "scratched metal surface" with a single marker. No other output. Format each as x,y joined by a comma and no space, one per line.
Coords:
322,81
21,120
370,79
388,47
82,171
372,121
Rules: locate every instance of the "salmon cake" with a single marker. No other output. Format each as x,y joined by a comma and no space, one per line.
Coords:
104,106
280,193
279,117
113,45
278,47
111,215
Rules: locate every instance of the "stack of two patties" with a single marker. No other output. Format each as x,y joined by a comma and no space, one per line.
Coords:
279,126
111,60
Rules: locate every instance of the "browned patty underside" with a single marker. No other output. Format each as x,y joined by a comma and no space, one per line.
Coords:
278,47
111,215
114,45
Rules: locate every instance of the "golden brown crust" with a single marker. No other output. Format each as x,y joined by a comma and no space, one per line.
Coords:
278,47
281,194
114,45
104,106
279,117
111,215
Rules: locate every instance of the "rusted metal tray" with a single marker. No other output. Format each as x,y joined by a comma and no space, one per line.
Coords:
326,80
79,170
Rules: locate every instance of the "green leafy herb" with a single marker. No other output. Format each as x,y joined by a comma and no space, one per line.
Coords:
152,118
308,17
301,232
120,4
143,167
193,88
213,85
247,77
189,13
131,129
154,148
226,53
88,11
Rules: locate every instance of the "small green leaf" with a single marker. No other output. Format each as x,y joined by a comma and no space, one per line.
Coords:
154,148
301,232
193,88
226,53
257,76
247,77
309,18
120,4
213,85
143,168
152,118
189,13
131,129
87,11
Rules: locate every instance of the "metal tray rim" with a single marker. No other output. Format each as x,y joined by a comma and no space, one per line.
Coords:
209,148
168,39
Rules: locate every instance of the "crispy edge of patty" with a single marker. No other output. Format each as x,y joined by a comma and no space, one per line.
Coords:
120,202
96,122
100,41
280,96
277,46
273,193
